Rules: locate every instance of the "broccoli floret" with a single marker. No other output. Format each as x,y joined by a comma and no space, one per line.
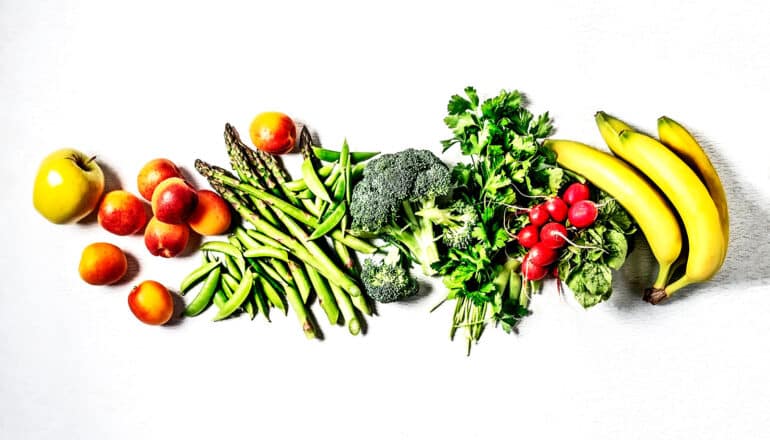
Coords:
456,222
393,188
388,280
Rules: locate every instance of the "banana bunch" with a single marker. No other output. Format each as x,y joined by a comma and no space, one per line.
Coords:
670,188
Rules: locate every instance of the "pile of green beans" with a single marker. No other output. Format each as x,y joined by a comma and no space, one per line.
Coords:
292,246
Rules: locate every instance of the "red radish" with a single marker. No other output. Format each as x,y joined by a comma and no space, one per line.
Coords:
531,271
583,214
557,209
575,193
552,235
542,255
528,236
555,271
538,215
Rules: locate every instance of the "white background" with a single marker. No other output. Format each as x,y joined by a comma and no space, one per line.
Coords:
131,81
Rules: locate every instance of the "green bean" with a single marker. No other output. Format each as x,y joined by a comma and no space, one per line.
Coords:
338,190
300,280
235,242
239,297
313,182
266,252
331,221
226,248
232,268
197,275
333,156
346,307
203,298
325,297
272,295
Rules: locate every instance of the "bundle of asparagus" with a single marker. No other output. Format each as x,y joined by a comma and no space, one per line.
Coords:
293,241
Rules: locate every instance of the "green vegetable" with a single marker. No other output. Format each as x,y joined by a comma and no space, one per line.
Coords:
507,162
393,188
195,276
204,296
388,280
238,298
334,156
585,264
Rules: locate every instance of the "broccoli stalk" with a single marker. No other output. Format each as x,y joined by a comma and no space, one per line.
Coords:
394,187
457,222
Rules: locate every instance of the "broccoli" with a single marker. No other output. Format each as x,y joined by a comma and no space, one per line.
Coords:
388,280
456,221
393,188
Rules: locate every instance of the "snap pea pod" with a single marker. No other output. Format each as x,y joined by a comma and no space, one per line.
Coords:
203,298
327,155
239,297
197,275
220,298
313,182
272,295
266,252
325,171
330,222
261,301
232,267
230,283
295,185
226,248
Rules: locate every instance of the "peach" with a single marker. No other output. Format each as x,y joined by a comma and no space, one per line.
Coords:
165,239
122,213
212,214
151,303
154,172
102,263
174,200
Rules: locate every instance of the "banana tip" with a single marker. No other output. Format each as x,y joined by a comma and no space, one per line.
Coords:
654,295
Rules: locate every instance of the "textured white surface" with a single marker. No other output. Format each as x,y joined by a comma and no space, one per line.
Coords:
130,81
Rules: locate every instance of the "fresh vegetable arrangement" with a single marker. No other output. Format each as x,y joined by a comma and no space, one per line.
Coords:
518,209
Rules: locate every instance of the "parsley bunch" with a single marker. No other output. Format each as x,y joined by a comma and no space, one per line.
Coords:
509,169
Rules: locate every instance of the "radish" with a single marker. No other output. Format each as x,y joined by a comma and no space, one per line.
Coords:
575,193
542,255
528,236
531,271
557,209
583,214
553,235
538,215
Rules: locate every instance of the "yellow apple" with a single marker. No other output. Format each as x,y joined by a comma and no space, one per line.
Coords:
68,186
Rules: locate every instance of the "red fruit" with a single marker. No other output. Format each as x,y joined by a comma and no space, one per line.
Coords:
273,132
583,214
528,236
557,209
531,271
552,235
575,193
174,201
538,215
542,255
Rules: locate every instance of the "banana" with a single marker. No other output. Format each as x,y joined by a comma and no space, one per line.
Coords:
686,192
680,141
646,205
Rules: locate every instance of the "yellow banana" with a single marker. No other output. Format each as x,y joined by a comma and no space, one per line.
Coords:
645,204
686,192
681,142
